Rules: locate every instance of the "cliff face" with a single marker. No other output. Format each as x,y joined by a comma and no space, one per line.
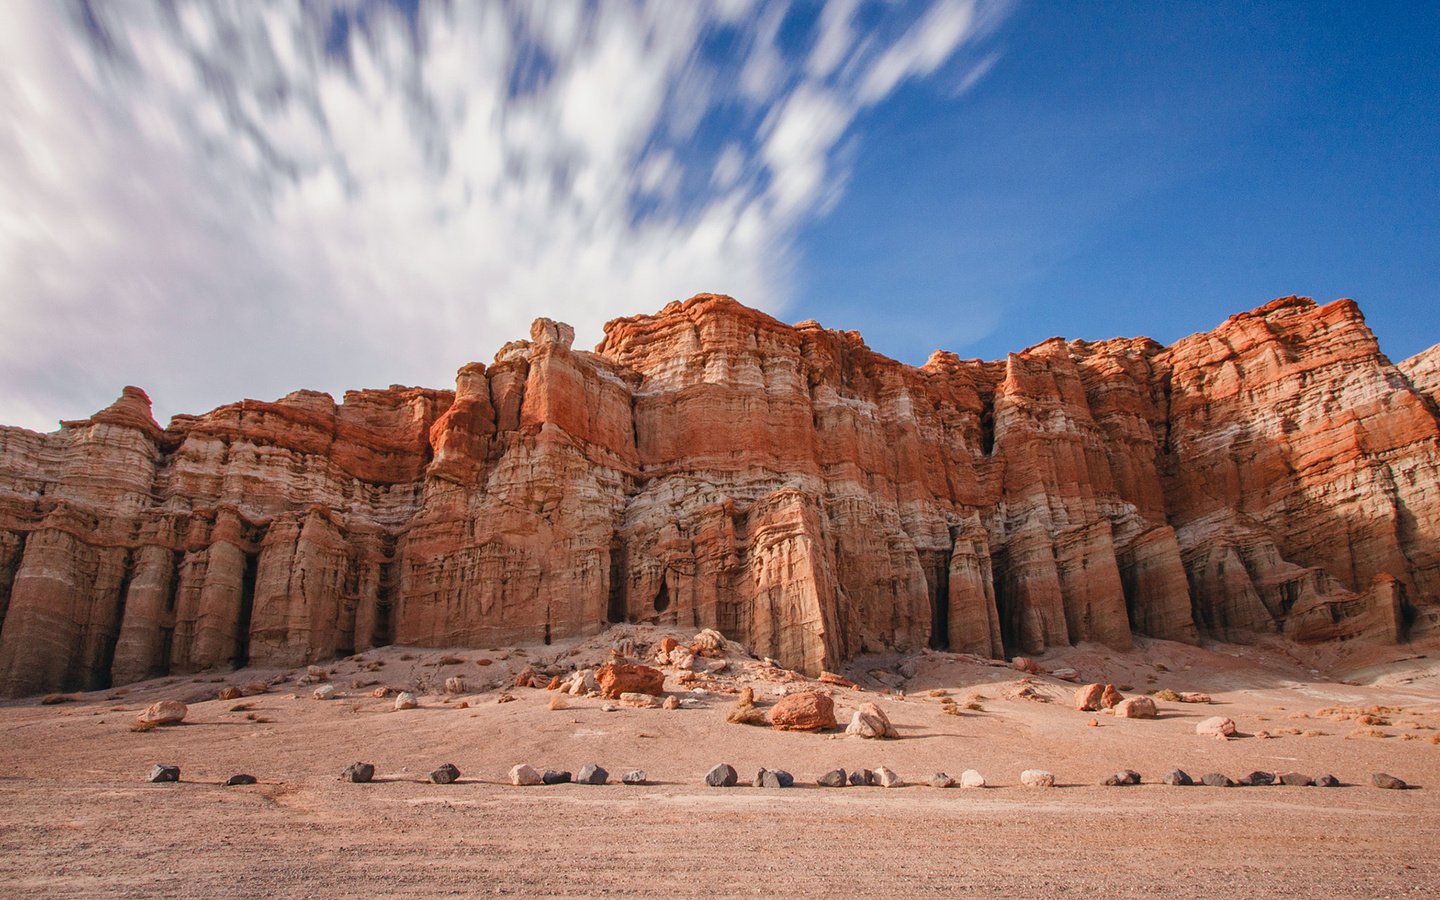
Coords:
709,466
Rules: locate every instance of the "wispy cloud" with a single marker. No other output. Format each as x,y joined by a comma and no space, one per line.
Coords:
225,200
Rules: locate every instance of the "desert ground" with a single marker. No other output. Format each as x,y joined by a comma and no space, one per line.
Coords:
77,817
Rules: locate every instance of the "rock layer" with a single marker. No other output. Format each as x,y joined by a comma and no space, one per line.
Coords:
710,466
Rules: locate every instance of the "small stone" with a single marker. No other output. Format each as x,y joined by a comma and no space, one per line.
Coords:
524,775
971,779
1136,708
634,776
1037,778
1194,697
1065,674
235,780
862,778
1025,664
590,773
455,684
1215,726
1295,779
1379,779
832,778
446,774
1327,781
886,778
1122,779
722,775
1257,779
1215,779
671,702
406,700
609,707
1177,778
553,776
324,692
165,712
941,780
639,701
163,773
358,773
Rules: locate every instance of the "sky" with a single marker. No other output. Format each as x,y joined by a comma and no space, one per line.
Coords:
217,201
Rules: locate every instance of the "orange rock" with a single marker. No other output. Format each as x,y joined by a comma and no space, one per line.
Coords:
808,711
1090,697
840,680
616,679
1135,708
1110,698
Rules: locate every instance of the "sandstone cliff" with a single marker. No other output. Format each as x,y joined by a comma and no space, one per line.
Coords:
710,466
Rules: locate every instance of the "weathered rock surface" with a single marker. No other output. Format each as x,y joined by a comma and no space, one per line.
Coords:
358,773
806,711
1215,726
1037,778
524,775
870,721
164,712
784,485
162,773
723,775
1136,708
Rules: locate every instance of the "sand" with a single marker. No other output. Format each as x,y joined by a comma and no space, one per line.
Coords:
77,819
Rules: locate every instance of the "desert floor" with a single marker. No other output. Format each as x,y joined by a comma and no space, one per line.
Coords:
77,819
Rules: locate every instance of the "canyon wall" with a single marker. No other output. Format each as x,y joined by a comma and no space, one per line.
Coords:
710,466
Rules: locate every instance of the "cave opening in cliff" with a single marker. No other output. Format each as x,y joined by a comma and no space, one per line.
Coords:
1009,618
662,597
102,678
987,423
247,606
938,581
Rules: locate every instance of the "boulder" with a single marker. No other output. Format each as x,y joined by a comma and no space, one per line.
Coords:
455,684
523,775
358,773
971,779
165,712
1257,779
1037,778
1110,698
1136,708
446,774
1065,674
1381,780
708,643
1215,779
634,776
941,780
1177,778
870,721
324,692
228,693
1121,779
1295,779
629,678
237,780
1194,697
722,775
1215,726
671,702
832,778
808,711
556,776
640,701
163,773
590,773
1327,781
1025,664
862,778
1088,698
406,700
886,778
773,778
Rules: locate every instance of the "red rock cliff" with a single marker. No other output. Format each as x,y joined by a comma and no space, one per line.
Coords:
710,466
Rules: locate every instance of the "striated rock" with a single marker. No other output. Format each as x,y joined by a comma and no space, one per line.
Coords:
870,721
807,711
783,486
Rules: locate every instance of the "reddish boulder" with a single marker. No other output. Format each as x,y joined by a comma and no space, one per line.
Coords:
625,678
809,711
1088,698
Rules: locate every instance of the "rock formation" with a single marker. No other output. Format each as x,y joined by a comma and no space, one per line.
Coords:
710,466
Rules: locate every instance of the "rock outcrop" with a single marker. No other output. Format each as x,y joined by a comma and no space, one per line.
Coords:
712,467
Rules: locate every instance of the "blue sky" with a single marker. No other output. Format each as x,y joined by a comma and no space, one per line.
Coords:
1142,168
225,201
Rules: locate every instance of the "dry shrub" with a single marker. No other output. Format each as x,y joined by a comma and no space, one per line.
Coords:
972,701
242,707
1409,737
406,657
451,661
1167,695
375,665
939,692
140,725
1313,733
1366,732
52,699
1435,738
950,709
1372,720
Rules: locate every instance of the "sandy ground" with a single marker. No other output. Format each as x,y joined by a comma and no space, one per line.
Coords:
77,819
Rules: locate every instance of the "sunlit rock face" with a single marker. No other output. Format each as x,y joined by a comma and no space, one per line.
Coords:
709,466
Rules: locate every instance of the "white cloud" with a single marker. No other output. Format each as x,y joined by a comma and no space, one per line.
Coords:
229,200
